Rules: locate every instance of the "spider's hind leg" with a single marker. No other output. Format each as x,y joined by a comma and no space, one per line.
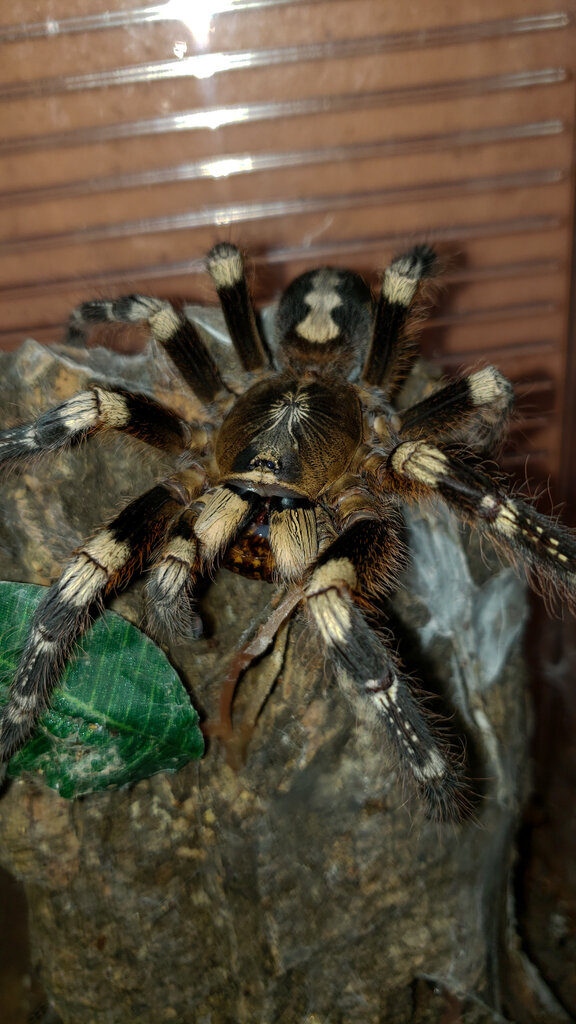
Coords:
349,577
226,268
474,409
170,329
392,351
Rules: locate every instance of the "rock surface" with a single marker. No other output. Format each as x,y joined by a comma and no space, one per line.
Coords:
302,884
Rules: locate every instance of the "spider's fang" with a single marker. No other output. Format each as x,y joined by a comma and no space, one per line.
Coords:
293,537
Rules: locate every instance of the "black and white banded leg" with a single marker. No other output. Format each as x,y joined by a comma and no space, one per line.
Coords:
197,538
97,409
392,351
416,470
226,269
475,408
171,330
100,566
170,587
365,664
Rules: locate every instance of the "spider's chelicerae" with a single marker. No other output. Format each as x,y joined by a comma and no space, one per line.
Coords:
298,479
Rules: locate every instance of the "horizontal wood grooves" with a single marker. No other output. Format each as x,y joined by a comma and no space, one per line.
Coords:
331,131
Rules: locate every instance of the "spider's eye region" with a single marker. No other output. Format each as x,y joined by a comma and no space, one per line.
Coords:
288,437
273,465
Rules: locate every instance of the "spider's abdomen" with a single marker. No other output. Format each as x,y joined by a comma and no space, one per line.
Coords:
324,319
290,437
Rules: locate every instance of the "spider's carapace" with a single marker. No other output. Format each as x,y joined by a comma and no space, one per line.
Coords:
290,437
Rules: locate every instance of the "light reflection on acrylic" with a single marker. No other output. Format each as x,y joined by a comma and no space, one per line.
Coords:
196,15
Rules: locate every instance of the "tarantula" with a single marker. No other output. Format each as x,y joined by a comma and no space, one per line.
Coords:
296,480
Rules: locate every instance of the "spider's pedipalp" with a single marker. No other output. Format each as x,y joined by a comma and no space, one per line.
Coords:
225,512
172,330
226,268
392,353
103,564
475,408
293,536
170,584
96,409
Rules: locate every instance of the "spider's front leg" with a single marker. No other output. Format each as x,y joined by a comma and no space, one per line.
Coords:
100,566
354,571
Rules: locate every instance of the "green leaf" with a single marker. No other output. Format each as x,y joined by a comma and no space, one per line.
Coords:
120,714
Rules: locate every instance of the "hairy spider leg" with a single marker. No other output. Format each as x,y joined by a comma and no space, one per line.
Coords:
226,268
97,409
170,587
392,351
99,567
349,574
473,408
416,470
170,328
206,533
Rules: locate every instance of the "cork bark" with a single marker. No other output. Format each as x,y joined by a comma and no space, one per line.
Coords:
296,881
